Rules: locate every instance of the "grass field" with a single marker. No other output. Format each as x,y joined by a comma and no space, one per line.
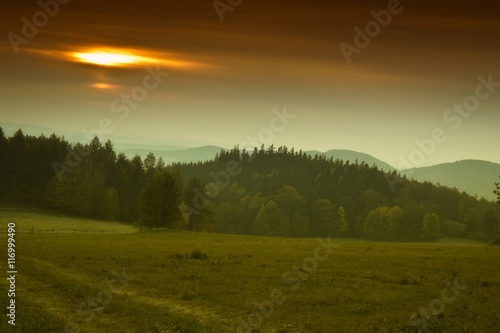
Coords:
42,221
178,281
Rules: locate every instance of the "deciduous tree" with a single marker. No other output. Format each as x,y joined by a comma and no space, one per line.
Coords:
324,218
199,219
490,223
271,221
343,226
497,192
159,201
382,223
431,227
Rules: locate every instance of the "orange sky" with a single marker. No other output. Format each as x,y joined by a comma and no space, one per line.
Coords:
226,77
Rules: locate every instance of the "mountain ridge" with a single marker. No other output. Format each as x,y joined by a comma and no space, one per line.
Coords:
473,176
352,156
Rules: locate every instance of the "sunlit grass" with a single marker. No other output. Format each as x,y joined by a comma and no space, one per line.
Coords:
46,221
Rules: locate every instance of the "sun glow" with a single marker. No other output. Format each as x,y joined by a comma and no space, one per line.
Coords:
112,58
101,85
128,57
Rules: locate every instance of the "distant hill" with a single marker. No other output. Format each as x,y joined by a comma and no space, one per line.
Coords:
207,153
187,155
35,130
352,156
119,141
472,176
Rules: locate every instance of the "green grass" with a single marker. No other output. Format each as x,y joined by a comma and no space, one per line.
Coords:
46,221
178,281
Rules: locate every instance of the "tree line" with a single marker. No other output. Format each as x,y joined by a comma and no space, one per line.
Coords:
266,191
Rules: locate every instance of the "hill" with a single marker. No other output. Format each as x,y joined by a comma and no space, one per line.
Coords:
186,155
472,176
353,156
120,142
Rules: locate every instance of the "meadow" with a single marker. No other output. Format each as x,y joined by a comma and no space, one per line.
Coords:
186,282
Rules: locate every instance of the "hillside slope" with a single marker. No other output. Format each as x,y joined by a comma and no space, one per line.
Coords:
472,176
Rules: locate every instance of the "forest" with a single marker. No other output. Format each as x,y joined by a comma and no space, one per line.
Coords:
275,191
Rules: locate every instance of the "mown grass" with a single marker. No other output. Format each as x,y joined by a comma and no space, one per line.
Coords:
177,281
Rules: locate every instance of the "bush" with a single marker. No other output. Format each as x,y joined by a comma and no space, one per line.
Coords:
197,254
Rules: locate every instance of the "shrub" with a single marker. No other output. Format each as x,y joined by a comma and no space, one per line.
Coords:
197,254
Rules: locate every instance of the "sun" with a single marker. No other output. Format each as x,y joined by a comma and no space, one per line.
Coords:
111,58
105,58
121,58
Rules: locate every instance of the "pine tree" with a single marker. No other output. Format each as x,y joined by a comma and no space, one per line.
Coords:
4,166
150,164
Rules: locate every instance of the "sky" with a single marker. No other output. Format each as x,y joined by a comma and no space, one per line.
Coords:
413,83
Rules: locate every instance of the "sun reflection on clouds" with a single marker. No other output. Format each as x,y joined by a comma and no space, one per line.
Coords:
106,58
126,58
114,57
102,85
